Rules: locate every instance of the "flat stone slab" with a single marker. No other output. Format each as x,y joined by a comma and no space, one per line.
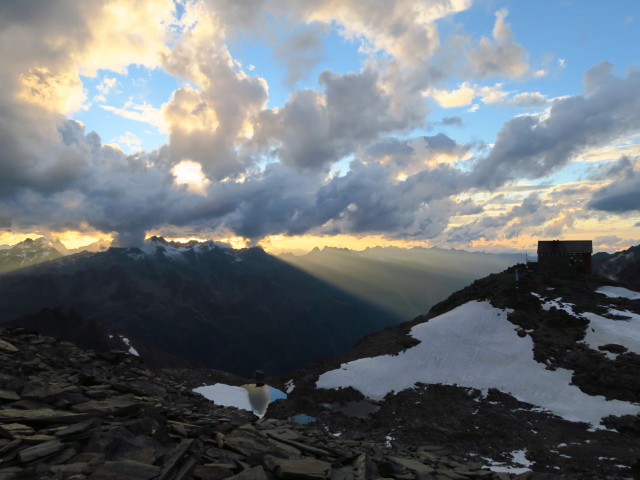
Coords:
9,395
7,347
39,451
413,465
125,470
306,468
255,473
16,430
43,415
113,405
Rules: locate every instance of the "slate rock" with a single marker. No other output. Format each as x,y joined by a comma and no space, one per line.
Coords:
115,405
212,472
307,468
8,396
7,347
255,473
39,451
42,415
125,470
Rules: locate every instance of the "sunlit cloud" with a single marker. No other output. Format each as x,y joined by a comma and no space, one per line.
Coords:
189,173
140,113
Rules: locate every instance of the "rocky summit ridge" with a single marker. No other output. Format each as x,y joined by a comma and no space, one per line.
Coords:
67,413
570,332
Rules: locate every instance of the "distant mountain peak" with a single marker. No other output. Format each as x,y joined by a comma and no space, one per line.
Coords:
30,252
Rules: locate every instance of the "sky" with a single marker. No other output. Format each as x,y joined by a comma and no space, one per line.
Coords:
481,125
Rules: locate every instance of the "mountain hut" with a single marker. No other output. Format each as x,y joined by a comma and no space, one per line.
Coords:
566,255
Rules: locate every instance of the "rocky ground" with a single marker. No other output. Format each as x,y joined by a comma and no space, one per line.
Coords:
66,413
493,426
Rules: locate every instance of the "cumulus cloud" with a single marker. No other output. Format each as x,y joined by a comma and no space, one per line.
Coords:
500,55
313,130
460,97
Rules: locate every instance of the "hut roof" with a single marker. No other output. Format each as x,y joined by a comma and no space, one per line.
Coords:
564,246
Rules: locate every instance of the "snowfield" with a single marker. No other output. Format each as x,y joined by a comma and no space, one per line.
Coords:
474,345
619,292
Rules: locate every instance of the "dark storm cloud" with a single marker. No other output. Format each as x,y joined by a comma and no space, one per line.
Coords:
534,146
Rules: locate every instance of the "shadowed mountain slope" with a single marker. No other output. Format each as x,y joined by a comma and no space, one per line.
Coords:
233,310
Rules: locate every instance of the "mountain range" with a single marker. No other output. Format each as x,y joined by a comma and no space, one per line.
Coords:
233,310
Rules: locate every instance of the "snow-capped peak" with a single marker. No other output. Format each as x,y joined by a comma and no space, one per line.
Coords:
154,246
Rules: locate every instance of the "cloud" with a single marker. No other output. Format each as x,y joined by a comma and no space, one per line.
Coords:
368,199
496,95
460,97
140,113
455,120
533,211
533,146
395,28
104,88
130,141
500,55
301,52
210,121
233,165
622,194
313,130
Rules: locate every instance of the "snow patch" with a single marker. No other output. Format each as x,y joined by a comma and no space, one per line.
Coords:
132,350
289,386
602,330
546,306
518,458
475,346
249,397
619,292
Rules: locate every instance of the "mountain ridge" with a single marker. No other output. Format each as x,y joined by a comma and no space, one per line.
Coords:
233,310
